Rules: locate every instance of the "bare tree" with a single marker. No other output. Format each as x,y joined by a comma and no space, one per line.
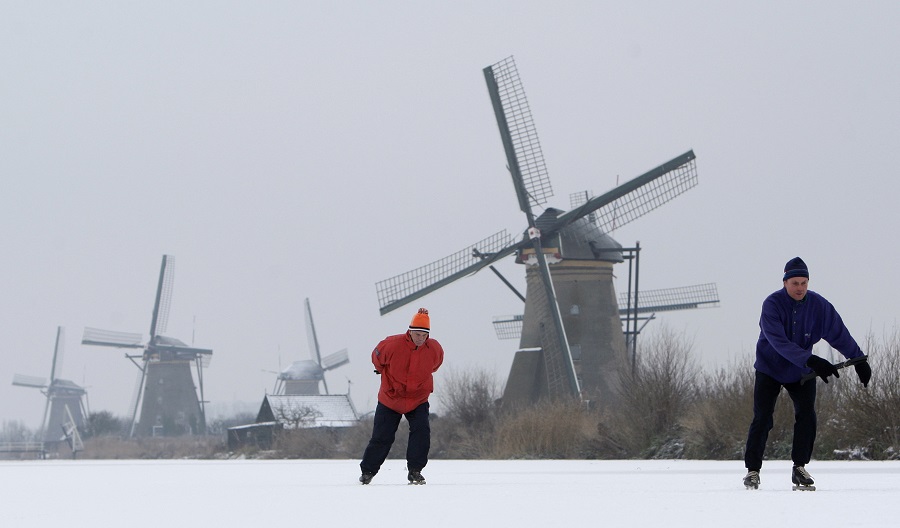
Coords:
296,416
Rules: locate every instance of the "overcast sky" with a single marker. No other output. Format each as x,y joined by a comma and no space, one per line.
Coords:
285,150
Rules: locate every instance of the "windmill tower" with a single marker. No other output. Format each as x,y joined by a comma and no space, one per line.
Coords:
303,377
65,400
165,390
572,344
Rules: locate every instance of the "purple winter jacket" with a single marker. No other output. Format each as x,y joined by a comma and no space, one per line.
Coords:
789,329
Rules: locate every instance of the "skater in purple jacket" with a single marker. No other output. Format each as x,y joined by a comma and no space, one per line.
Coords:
793,320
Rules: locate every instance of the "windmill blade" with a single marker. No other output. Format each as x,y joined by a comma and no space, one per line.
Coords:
333,361
176,349
70,431
57,353
163,296
30,381
136,396
518,133
407,287
532,184
561,376
638,196
580,198
111,338
671,299
508,326
529,175
311,334
181,351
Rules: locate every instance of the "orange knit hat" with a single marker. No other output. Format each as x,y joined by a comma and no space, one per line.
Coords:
421,322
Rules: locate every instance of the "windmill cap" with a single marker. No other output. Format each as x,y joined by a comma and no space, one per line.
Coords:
420,322
795,268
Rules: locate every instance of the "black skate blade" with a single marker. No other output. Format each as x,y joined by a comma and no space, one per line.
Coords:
751,487
801,487
417,483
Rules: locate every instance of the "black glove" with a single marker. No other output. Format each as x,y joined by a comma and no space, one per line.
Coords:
822,367
864,371
377,372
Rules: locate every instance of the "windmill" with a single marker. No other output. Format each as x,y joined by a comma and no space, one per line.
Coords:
165,390
572,344
303,377
65,399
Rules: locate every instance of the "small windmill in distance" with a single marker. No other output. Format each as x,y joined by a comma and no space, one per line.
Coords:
65,403
303,377
165,390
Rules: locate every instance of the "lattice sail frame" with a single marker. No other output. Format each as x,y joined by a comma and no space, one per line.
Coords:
431,275
508,326
640,200
647,197
556,359
164,297
527,147
671,299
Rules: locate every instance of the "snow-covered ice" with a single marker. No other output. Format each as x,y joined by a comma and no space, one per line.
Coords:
325,493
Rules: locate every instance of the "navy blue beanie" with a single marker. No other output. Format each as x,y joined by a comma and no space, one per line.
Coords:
795,268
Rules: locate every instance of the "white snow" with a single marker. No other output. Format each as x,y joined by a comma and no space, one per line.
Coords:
325,493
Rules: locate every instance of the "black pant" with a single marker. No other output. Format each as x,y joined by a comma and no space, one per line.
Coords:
386,423
765,394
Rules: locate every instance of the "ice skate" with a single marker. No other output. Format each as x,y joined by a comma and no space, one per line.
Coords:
801,479
415,477
751,481
365,478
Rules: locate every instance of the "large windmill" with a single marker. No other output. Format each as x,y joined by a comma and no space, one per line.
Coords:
303,377
61,395
572,344
165,391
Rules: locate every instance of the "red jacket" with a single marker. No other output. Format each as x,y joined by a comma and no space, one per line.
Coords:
406,371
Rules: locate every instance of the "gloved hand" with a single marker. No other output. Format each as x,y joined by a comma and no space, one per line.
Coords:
822,367
864,371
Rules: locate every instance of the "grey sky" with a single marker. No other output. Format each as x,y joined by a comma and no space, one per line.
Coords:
283,150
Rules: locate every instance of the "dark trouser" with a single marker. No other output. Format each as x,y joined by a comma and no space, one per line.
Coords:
765,394
386,423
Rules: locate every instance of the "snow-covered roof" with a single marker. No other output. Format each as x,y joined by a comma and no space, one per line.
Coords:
252,426
310,410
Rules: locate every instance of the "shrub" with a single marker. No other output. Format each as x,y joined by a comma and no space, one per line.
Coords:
563,429
468,401
655,396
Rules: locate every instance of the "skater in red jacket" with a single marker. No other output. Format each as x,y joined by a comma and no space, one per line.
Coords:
406,363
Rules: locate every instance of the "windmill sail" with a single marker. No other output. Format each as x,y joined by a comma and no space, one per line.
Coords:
163,301
71,434
311,335
29,381
407,287
519,135
638,196
532,184
670,299
333,361
111,338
